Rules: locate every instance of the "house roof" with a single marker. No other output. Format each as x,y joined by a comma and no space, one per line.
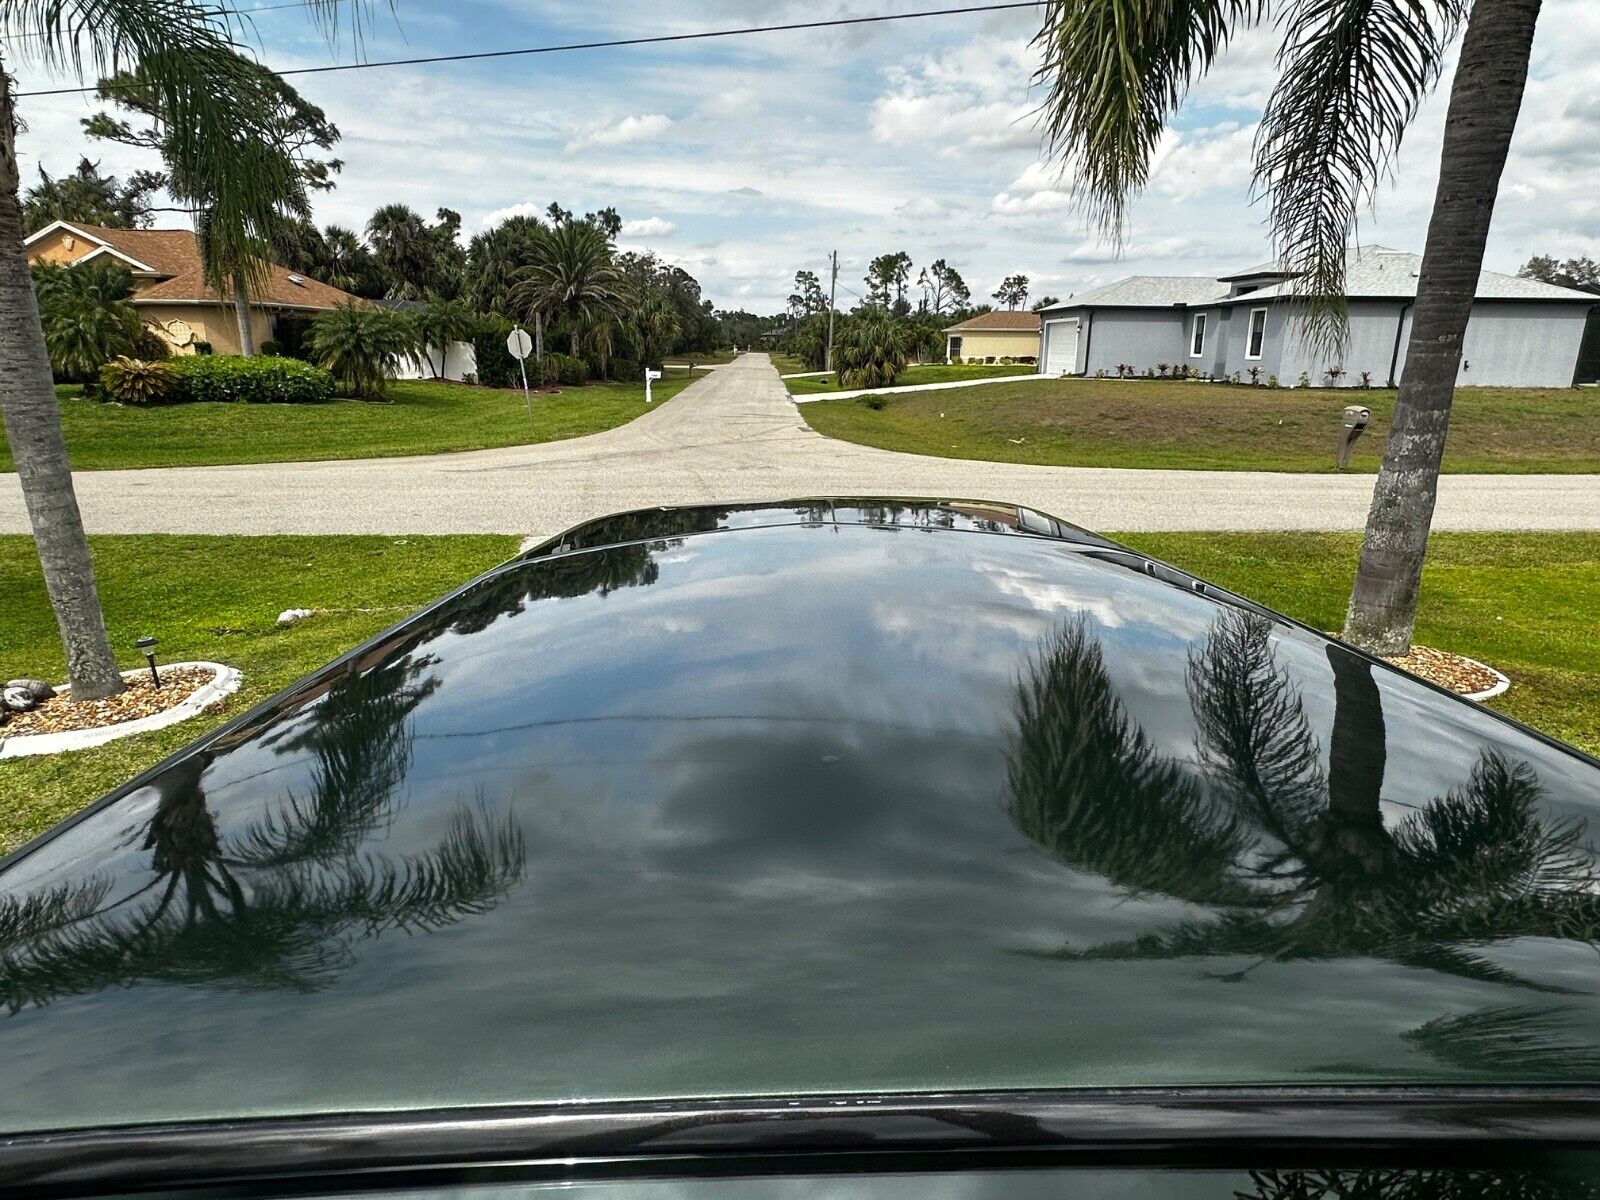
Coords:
167,269
1145,291
1002,321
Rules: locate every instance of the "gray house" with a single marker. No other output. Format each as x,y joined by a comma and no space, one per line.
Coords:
1523,333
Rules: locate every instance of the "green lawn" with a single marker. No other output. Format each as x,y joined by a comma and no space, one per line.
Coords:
1108,423
214,599
1526,603
713,357
788,364
420,417
932,373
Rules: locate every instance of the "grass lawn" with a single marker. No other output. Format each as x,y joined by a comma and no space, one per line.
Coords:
1108,423
420,417
215,599
1526,603
787,364
713,357
932,373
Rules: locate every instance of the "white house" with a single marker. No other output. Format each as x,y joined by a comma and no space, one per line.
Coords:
1522,333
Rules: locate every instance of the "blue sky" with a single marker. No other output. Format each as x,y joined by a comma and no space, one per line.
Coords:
744,160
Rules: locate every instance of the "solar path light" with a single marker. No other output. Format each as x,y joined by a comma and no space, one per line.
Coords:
148,645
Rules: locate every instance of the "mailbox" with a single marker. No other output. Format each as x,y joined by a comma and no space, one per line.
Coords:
649,378
1356,420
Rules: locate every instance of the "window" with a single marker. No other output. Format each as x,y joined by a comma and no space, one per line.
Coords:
1197,339
1257,336
953,351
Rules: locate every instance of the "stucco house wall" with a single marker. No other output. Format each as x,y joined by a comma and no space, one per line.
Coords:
58,247
1140,337
213,323
1525,344
999,343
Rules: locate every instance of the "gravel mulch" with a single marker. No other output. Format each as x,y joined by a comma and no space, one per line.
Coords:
1450,671
142,699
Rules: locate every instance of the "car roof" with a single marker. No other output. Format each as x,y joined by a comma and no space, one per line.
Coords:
822,798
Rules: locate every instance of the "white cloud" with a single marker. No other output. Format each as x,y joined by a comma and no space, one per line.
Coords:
629,129
648,227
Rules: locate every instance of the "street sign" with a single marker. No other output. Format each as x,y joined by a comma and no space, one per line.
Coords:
519,343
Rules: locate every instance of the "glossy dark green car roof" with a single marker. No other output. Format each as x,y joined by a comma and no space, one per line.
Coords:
822,798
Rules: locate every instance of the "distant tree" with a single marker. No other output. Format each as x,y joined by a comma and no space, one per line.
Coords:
1043,303
344,262
416,260
572,273
557,214
439,324
808,296
1012,292
887,277
924,338
494,258
1574,272
606,221
89,198
943,286
654,326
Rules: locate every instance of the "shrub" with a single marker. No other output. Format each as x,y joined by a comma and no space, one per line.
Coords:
361,345
870,350
88,318
137,381
225,378
564,369
202,347
496,367
627,369
271,349
876,403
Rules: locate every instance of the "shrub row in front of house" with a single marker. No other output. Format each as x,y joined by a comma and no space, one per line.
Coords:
225,379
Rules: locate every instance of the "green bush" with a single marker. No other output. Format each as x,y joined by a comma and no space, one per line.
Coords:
496,367
565,369
137,381
876,403
626,369
271,349
227,379
362,345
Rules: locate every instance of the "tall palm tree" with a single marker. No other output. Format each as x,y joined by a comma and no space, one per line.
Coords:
1354,73
403,250
572,273
188,54
343,262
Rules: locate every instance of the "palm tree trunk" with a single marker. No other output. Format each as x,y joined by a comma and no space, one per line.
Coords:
241,313
538,337
33,428
1484,100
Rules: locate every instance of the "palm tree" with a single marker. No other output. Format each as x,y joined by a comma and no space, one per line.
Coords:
654,326
88,316
572,273
871,349
601,336
343,262
361,345
439,324
195,79
403,249
1353,76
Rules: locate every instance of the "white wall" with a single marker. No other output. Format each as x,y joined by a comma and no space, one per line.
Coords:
460,360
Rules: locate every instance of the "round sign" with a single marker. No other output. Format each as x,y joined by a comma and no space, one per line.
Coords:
519,343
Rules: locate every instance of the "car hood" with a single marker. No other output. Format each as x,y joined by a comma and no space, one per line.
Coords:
829,797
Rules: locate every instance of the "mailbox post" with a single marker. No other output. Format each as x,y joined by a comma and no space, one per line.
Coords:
649,378
1356,420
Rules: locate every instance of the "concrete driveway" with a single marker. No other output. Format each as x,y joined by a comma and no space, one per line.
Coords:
735,435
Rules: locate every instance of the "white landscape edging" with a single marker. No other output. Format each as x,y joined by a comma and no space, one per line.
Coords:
224,682
811,397
1500,685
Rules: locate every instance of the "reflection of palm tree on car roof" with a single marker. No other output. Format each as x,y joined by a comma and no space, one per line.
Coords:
282,902
1296,862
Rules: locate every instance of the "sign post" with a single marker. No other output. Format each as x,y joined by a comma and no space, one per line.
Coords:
520,345
649,377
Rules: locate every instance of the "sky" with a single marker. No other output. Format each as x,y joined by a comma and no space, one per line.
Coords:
745,159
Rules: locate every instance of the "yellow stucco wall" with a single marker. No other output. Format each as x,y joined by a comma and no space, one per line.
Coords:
212,323
1001,343
54,249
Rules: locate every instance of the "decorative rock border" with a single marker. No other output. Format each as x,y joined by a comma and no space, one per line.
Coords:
224,682
1502,682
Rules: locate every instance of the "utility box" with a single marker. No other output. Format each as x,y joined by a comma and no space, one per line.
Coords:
1356,420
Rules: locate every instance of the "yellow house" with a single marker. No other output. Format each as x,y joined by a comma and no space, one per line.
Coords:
994,335
169,283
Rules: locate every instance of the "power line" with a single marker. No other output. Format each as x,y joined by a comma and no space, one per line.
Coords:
656,40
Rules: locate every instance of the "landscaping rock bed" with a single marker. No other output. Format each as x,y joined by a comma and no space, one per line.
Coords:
1454,672
142,699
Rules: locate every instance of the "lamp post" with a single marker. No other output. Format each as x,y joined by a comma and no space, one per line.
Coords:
148,645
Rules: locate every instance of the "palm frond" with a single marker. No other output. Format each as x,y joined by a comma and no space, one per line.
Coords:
1353,73
1116,71
1532,1042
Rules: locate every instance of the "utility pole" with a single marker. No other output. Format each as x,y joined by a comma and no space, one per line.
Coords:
833,296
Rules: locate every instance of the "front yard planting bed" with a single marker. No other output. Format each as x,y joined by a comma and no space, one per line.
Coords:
1197,426
419,417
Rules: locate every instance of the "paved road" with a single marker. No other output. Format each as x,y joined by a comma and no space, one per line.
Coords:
735,435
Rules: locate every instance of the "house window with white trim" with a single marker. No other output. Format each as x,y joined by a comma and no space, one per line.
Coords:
1197,337
1256,339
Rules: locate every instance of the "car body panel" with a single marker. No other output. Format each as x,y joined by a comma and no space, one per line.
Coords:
828,798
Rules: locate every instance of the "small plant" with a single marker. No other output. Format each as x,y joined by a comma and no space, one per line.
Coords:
1333,375
1124,370
362,345
1100,374
1366,379
1272,381
989,361
874,402
137,381
1234,378
469,378
271,349
1255,376
1149,372
1304,380
1162,369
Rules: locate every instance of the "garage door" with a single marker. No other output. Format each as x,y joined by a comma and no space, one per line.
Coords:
1061,346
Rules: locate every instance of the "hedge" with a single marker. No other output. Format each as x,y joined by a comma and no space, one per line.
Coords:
228,379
